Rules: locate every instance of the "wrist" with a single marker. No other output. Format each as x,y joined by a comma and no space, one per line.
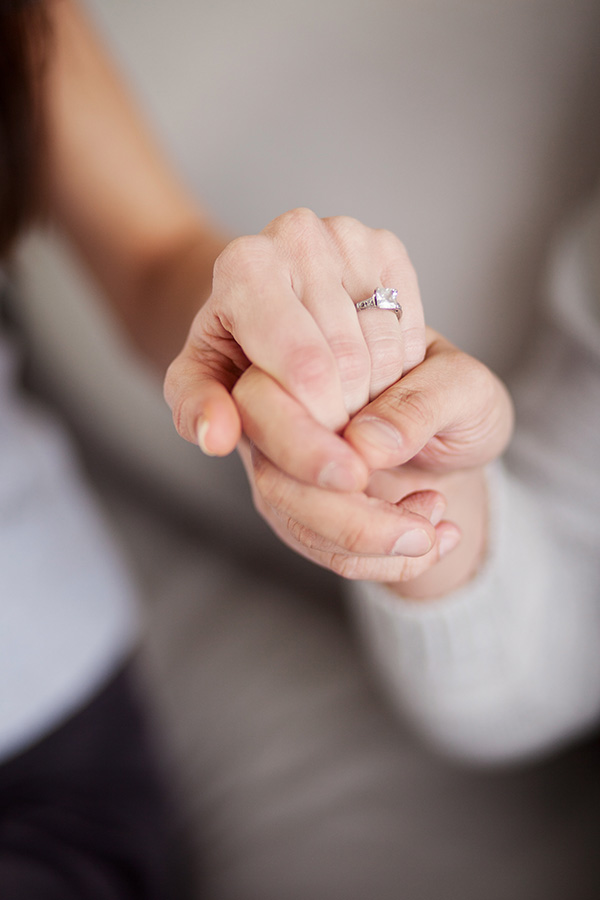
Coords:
171,288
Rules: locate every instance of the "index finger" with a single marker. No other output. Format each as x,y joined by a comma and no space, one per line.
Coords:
291,439
255,305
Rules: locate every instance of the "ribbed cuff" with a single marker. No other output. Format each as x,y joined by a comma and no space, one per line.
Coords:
465,637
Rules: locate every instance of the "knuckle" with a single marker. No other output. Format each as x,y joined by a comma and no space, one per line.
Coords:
309,368
416,566
264,482
179,412
391,247
300,225
369,568
388,241
467,366
347,227
353,360
412,405
347,542
353,536
302,534
387,357
274,489
483,380
244,258
298,236
349,567
474,375
300,218
415,346
350,237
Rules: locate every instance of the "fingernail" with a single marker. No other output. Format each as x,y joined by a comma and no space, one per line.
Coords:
378,433
448,542
201,432
437,512
412,543
335,477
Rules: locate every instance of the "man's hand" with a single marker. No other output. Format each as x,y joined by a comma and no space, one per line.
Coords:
353,534
424,440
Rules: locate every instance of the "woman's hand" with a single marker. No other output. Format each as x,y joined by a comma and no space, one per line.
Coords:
284,300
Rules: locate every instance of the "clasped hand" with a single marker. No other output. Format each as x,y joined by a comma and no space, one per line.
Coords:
359,432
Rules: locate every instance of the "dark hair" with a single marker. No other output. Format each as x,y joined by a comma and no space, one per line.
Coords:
23,33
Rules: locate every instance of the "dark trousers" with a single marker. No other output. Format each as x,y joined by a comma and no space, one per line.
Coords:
83,814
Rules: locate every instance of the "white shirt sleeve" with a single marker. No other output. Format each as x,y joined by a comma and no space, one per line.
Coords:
509,666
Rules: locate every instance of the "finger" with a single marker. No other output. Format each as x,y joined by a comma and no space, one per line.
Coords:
394,485
203,410
449,412
384,569
255,305
335,263
426,504
325,552
355,523
335,314
384,337
381,256
328,553
317,265
429,504
298,445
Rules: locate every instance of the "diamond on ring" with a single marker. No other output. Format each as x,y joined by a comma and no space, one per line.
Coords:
382,298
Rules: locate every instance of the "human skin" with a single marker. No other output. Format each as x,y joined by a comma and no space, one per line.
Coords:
434,430
111,192
282,301
157,259
287,297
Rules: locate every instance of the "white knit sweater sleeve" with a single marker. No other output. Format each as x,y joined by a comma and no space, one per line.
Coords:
509,666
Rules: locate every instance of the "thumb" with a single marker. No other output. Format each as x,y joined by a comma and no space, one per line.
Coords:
449,412
203,411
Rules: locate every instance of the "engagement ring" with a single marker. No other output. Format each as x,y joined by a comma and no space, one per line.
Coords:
382,298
